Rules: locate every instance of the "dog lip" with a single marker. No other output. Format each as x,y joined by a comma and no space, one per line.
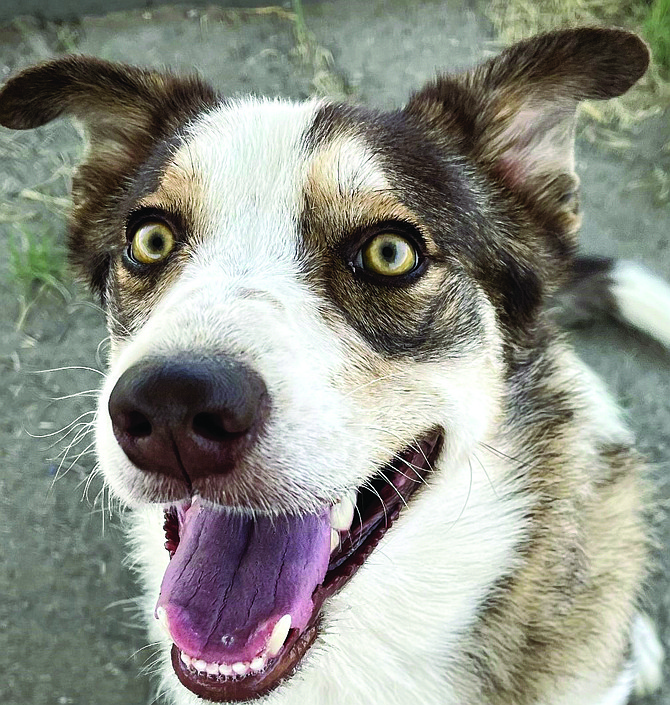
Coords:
360,542
255,685
389,499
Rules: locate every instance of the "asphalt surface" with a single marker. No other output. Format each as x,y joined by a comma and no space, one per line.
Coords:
67,630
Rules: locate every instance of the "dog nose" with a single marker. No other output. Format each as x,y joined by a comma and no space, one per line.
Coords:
187,418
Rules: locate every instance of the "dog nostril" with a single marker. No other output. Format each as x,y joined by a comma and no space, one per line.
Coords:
137,425
187,418
212,427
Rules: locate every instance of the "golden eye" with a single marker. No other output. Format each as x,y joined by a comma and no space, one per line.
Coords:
152,243
389,254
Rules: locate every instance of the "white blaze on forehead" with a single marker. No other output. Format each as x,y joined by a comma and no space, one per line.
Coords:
251,167
250,152
248,161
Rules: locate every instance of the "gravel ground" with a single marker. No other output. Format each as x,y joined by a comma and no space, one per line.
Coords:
66,614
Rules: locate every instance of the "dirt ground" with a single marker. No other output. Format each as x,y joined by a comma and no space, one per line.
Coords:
66,602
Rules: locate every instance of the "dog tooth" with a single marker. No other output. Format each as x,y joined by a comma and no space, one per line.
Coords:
212,669
185,658
199,664
161,616
334,540
279,634
258,664
342,514
241,668
225,669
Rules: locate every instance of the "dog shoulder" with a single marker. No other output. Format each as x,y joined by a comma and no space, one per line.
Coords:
566,607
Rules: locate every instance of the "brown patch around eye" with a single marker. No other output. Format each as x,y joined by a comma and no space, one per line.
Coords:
134,296
179,190
350,199
352,193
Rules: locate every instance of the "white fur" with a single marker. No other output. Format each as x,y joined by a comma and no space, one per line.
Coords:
620,692
648,656
643,299
242,294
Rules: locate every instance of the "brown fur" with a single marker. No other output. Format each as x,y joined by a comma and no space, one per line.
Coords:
567,607
481,173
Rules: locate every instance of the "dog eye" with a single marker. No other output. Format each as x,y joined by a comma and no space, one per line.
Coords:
151,243
389,255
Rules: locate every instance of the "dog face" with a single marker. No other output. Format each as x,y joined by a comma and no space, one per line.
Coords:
313,308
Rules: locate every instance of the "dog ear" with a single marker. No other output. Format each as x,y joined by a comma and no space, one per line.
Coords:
515,114
123,108
125,111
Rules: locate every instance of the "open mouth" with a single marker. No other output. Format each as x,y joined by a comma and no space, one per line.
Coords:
242,596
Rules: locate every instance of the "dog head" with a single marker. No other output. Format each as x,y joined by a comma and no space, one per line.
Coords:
313,310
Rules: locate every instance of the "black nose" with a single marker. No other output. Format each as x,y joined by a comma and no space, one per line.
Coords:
187,417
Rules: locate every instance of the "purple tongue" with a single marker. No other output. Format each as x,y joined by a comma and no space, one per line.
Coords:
232,578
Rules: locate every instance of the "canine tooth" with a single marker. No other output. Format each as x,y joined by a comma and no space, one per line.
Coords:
161,616
258,664
185,658
225,669
212,669
342,514
199,664
279,634
334,540
241,668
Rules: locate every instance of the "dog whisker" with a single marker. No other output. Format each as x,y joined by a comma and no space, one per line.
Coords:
481,465
107,314
395,489
61,430
124,603
89,449
161,690
467,498
68,368
397,456
152,666
83,428
93,393
104,341
368,485
419,478
146,647
521,463
87,482
110,502
101,493
416,447
79,436
376,380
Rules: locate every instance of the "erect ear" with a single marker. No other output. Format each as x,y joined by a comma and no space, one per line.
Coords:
515,114
125,111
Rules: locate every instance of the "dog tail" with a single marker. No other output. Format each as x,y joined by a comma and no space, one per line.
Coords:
620,289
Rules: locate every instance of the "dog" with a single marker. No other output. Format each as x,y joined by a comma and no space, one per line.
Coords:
362,463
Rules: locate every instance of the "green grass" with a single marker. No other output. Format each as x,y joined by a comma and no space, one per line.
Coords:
37,263
657,31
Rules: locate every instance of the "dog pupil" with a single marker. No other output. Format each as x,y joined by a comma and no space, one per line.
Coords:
389,252
156,243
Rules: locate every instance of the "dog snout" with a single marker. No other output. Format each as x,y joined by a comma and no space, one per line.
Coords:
188,418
